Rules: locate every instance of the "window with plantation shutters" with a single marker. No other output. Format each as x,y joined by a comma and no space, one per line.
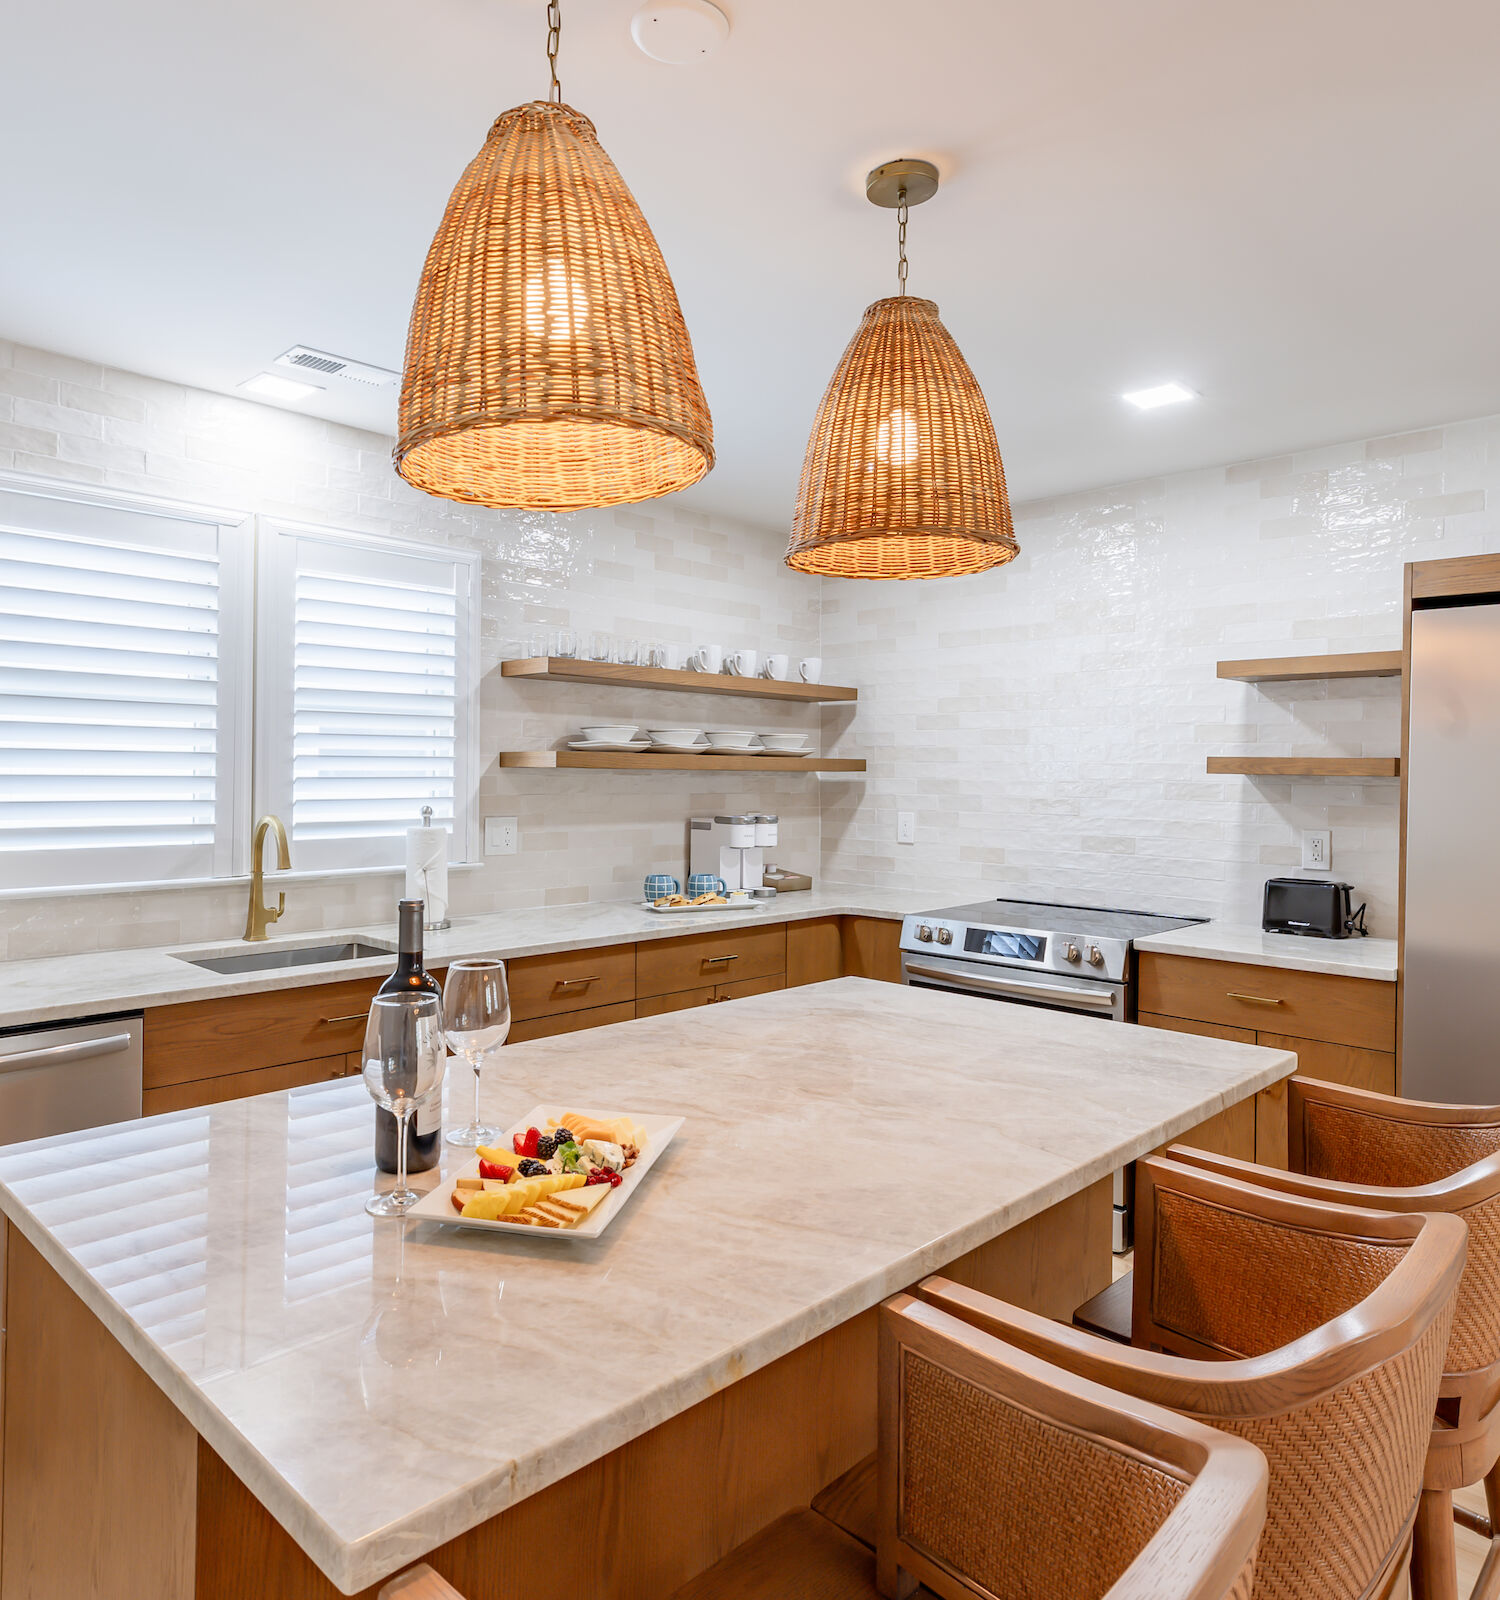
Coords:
365,693
123,689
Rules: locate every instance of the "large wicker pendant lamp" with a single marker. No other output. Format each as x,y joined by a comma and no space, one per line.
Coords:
548,366
902,477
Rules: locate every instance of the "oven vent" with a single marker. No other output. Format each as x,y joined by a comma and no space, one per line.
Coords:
301,358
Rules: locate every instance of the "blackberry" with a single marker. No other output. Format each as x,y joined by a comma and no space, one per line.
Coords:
532,1169
563,1136
546,1147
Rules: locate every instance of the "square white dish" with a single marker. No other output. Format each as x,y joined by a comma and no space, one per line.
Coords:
437,1205
676,911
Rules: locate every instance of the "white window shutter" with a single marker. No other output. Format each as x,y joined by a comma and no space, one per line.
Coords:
367,688
124,688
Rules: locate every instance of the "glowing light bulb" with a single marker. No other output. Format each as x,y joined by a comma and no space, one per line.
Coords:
556,308
896,439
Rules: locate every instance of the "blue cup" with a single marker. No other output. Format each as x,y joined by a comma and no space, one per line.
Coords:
661,884
704,883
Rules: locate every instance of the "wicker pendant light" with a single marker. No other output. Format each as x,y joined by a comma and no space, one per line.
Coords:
548,366
902,477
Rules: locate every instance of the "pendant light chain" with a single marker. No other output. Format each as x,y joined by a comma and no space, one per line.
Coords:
901,241
554,39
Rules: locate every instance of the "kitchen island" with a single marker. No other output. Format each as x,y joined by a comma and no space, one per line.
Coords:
224,1380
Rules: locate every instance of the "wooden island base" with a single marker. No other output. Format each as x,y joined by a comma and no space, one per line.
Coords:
110,1494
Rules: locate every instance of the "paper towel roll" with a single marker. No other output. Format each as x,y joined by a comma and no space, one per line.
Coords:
427,873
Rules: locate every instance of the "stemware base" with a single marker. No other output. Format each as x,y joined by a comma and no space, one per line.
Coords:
474,1133
394,1203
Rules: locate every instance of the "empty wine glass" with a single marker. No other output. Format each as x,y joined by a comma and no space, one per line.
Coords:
403,1061
476,1004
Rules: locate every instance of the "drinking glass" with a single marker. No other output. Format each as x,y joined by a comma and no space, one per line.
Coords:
600,647
628,653
476,1007
564,644
403,1061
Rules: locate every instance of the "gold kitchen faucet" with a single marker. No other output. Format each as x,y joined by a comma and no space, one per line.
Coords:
260,916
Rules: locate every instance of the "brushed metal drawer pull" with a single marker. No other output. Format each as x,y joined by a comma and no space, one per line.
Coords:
709,961
1254,999
354,1016
576,983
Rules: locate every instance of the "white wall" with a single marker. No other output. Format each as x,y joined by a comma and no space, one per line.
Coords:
656,572
1049,722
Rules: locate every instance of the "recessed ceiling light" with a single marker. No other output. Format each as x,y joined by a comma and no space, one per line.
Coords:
1164,394
269,387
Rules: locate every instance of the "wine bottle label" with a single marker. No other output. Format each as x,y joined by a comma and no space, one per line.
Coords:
428,1117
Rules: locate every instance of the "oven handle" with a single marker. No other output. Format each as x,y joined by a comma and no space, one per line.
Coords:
1022,990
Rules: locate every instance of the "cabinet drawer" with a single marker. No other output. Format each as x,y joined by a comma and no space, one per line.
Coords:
235,1085
657,1005
208,1038
571,980
700,959
1304,1005
569,1022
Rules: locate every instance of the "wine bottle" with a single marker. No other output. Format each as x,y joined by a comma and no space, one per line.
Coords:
424,1130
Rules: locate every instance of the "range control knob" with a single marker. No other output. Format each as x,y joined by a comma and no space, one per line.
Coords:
945,936
1096,956
1070,951
924,933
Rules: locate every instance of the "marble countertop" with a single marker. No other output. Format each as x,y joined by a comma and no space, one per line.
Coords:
383,1387
52,988
1227,941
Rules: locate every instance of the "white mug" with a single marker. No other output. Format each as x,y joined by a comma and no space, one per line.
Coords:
742,663
665,655
811,670
707,658
776,666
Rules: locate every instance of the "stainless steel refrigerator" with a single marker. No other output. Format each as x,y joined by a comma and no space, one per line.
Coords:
1450,1027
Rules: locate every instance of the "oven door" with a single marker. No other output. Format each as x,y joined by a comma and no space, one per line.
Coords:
1053,991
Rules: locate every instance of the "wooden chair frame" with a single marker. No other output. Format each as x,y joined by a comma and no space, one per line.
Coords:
1465,1443
1384,1326
1205,1549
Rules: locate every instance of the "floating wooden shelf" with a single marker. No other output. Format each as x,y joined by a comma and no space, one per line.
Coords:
1306,766
546,760
562,669
1289,669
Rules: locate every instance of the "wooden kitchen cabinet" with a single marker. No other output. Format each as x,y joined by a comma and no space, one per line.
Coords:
1231,1132
571,980
258,1080
872,948
1342,1030
703,960
570,1022
814,951
657,1005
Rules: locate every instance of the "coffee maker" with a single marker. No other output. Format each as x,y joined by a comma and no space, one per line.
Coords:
732,848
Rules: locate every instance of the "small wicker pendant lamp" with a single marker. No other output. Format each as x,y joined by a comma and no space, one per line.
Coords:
902,477
548,366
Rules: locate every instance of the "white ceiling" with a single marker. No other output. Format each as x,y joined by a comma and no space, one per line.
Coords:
1288,205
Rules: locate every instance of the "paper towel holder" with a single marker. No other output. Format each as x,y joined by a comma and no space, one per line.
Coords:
447,922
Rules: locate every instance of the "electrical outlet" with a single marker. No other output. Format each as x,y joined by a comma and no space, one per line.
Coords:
500,835
1317,850
906,827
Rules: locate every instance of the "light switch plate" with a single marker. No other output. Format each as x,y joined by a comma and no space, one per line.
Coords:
500,836
1317,850
906,827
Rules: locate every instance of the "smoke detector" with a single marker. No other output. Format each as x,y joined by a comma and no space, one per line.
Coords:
318,363
679,32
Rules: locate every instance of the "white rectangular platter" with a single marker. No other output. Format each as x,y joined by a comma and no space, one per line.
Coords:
437,1205
702,911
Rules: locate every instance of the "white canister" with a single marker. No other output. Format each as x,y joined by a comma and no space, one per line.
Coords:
765,830
741,832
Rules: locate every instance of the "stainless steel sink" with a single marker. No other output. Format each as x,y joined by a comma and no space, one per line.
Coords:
306,955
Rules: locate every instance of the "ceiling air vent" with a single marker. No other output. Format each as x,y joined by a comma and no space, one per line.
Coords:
303,359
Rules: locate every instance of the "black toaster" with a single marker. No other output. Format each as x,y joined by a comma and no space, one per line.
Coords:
1311,906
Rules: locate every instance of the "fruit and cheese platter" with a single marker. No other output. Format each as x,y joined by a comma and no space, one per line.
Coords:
557,1174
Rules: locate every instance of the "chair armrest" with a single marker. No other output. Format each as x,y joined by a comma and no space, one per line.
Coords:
418,1583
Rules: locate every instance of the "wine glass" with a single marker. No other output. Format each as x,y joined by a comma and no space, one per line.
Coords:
476,1003
403,1061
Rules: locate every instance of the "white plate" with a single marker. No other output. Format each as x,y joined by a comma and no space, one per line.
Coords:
760,750
605,744
731,905
679,749
437,1205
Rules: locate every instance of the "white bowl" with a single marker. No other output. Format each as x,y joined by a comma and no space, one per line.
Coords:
785,741
676,735
614,733
731,738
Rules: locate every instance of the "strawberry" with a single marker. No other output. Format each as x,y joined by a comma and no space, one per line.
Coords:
493,1169
533,1136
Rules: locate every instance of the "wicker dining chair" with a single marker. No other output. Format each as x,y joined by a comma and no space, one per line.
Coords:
1003,1477
1356,1147
1316,1331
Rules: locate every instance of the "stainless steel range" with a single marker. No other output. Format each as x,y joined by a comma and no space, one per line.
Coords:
1034,953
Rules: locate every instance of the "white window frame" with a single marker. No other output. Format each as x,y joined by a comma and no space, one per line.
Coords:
83,510
275,629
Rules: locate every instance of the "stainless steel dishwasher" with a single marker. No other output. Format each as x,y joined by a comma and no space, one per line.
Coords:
60,1076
